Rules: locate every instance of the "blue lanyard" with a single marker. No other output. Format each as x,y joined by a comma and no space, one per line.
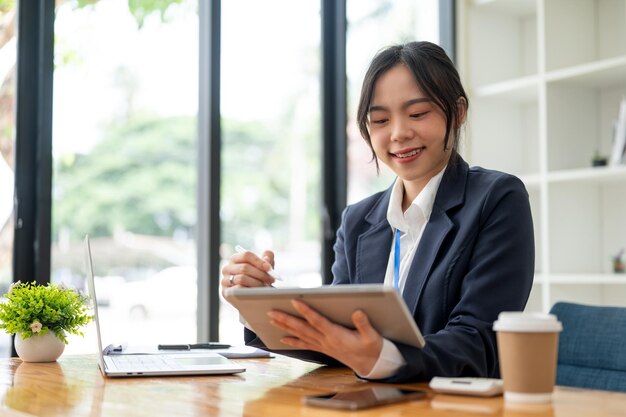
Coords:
396,261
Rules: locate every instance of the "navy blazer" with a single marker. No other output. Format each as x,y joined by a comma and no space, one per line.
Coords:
474,260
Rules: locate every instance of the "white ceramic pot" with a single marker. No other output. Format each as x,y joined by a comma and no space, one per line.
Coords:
39,348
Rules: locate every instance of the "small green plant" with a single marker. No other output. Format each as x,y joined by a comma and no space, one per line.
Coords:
30,309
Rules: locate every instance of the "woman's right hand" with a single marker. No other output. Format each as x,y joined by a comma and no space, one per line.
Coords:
248,270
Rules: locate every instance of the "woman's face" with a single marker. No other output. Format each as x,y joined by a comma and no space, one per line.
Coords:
407,129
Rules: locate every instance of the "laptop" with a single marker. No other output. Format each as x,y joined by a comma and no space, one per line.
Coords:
157,364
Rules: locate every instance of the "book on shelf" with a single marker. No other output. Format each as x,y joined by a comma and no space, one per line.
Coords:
619,136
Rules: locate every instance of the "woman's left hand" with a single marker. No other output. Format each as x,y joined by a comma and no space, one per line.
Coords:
358,349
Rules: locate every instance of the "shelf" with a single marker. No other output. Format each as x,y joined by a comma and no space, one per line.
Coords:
582,31
492,58
523,90
603,73
591,175
544,95
513,7
600,74
582,279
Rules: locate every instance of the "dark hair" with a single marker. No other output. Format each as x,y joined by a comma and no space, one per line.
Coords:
434,74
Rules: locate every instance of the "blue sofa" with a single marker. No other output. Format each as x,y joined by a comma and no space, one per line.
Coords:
592,346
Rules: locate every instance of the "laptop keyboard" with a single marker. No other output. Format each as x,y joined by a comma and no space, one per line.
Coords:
138,362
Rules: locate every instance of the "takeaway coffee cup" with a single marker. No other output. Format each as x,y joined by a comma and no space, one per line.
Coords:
528,348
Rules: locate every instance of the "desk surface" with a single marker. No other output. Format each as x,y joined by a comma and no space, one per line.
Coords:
270,387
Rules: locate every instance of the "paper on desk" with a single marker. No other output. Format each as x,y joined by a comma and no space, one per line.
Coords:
242,352
234,352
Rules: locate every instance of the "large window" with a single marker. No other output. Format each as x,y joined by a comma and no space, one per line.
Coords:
372,25
124,157
8,56
271,138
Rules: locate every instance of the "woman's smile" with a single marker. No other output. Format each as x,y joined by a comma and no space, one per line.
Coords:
405,156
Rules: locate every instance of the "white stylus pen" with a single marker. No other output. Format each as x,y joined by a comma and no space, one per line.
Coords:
271,272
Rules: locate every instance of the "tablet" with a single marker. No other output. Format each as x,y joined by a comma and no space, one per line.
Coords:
383,305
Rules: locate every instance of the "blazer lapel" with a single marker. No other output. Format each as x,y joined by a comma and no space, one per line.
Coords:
372,252
451,193
436,230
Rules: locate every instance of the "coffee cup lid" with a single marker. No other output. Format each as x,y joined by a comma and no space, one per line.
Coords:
510,321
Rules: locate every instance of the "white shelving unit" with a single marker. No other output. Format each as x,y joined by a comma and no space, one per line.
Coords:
545,79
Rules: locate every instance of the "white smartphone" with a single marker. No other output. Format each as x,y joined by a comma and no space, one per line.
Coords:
364,398
480,387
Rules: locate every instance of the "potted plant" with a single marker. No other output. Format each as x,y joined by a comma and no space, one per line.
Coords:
41,316
618,262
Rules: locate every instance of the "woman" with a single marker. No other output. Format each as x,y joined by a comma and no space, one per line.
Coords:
460,239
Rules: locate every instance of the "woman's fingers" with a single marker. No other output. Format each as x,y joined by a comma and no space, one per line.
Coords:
298,343
252,259
247,270
268,256
296,327
358,349
316,320
368,334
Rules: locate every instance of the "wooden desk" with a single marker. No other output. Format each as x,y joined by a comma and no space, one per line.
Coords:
269,387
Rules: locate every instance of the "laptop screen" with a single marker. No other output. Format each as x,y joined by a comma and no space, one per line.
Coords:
94,300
